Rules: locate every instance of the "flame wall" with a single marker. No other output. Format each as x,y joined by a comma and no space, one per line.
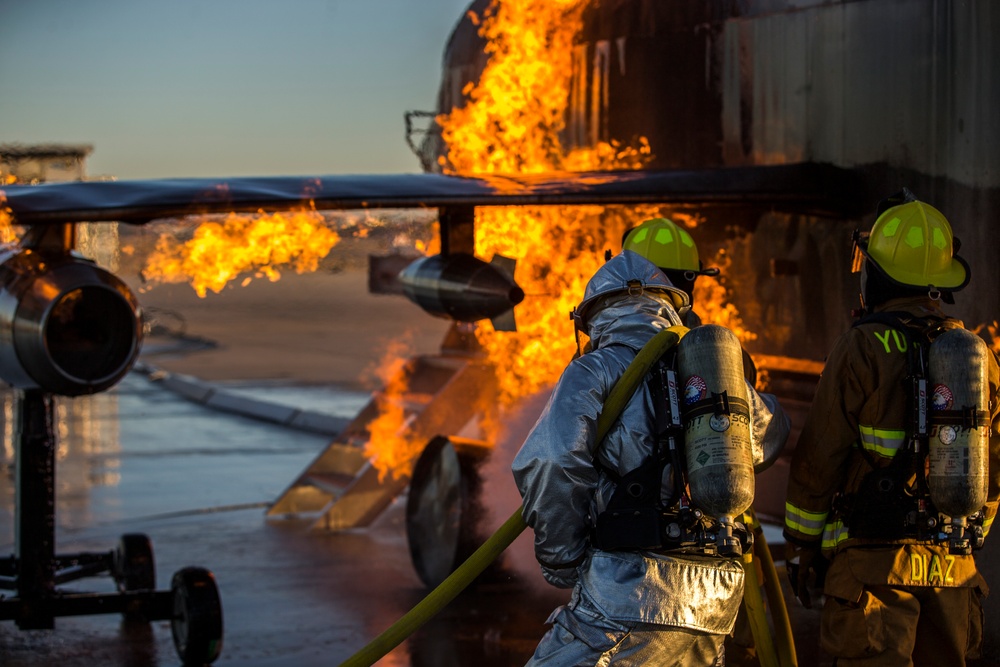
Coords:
712,83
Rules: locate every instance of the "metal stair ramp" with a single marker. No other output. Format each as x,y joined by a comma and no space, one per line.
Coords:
442,394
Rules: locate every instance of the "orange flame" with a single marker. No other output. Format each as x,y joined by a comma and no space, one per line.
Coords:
992,336
219,252
511,124
514,114
389,447
712,303
9,233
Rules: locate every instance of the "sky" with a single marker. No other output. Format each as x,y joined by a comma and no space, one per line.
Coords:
216,88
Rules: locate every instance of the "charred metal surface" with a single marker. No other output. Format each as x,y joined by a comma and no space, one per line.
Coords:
904,94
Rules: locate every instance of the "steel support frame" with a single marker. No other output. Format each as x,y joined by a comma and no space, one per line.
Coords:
35,569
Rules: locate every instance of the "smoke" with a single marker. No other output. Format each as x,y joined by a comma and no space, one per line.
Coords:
499,490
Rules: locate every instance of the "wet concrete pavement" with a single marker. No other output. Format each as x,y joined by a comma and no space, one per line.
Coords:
145,457
197,481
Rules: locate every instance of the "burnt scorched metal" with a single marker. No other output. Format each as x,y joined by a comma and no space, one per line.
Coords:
902,95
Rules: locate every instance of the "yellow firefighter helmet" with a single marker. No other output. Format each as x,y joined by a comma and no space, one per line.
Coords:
912,243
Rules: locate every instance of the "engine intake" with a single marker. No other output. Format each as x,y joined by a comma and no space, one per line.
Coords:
67,326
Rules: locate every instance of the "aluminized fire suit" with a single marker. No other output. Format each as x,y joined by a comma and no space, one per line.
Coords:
627,607
889,601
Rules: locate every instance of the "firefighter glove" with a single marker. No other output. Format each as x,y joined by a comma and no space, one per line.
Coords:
562,577
801,561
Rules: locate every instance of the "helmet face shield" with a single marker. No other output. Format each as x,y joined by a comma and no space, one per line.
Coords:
860,240
627,274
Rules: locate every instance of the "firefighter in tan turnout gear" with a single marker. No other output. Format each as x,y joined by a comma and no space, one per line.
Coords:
894,482
645,531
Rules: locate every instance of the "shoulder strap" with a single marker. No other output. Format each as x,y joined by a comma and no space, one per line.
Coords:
669,426
627,384
923,329
919,332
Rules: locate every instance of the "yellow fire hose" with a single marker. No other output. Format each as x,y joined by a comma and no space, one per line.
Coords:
445,592
465,573
458,580
777,650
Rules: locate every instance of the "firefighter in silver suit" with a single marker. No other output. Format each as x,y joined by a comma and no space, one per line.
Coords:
659,606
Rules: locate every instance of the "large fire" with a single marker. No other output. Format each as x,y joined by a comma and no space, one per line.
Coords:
511,124
8,232
219,252
389,446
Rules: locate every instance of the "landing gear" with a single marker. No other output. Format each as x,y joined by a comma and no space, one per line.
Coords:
444,512
197,617
132,565
192,605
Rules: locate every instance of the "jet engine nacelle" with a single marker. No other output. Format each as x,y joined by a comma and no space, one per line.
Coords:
67,326
464,288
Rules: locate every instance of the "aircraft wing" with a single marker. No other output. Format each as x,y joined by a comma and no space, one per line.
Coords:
804,187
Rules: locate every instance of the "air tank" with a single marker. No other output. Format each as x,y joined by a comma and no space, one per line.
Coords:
960,426
716,411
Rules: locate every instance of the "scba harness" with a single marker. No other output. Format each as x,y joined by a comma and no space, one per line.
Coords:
640,515
895,501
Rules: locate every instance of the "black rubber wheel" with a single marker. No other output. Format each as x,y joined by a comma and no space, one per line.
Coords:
434,512
133,567
444,513
197,619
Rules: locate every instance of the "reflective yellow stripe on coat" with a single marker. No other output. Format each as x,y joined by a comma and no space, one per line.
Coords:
881,441
804,521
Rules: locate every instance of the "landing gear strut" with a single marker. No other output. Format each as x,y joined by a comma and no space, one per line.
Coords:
192,605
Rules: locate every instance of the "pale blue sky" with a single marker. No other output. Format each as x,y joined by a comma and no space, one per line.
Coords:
222,87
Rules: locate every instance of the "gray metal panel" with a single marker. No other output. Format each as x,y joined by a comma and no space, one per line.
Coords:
888,70
780,89
730,82
972,105
826,103
908,83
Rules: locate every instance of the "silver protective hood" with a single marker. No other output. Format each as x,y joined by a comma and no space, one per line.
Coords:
628,274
